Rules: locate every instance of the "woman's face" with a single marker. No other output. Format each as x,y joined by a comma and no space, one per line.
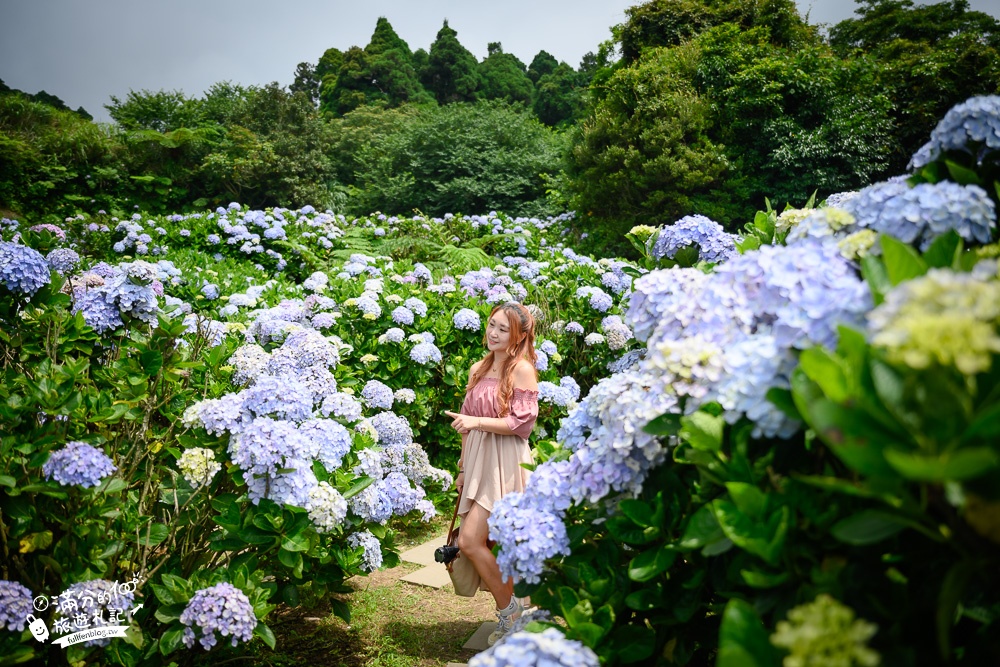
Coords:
498,332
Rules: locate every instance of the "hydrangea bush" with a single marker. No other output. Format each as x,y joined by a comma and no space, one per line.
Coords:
802,467
237,407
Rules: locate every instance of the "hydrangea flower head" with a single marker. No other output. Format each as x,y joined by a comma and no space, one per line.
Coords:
825,633
467,319
971,127
426,353
198,465
23,270
15,605
550,648
63,260
942,317
222,609
78,464
327,508
714,244
377,395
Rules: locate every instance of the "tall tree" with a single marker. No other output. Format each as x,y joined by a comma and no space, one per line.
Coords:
559,96
929,58
161,111
382,73
306,82
327,70
504,77
452,73
543,63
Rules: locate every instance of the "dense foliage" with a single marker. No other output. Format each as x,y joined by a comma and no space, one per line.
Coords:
802,467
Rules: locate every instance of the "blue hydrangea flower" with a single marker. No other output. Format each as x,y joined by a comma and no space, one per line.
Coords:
342,405
574,328
626,361
714,244
221,608
332,441
98,312
548,347
425,353
599,299
372,554
78,464
402,315
23,270
327,508
210,291
549,648
541,361
393,430
528,536
920,214
550,392
280,396
377,395
417,306
971,127
467,319
421,272
15,605
63,260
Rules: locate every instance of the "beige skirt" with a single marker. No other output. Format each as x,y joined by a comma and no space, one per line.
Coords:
492,468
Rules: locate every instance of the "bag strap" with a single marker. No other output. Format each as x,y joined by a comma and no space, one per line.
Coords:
454,515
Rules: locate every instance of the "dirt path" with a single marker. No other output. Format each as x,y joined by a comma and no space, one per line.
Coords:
393,623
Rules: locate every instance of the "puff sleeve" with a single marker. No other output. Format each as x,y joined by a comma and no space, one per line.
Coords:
523,412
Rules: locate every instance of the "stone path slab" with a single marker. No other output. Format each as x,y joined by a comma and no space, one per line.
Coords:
477,642
457,664
434,576
423,554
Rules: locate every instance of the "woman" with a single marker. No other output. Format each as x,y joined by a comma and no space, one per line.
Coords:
500,408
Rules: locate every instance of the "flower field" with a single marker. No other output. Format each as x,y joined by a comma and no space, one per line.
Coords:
776,447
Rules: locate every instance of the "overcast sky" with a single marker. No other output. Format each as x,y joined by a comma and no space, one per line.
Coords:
84,51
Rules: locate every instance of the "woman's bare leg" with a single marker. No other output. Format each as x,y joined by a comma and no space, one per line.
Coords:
472,542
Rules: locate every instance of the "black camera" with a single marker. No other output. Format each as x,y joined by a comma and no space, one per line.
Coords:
445,554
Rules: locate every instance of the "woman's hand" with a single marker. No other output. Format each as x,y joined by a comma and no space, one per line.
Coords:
462,423
460,481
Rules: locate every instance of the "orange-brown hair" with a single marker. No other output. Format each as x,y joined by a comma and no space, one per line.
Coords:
522,346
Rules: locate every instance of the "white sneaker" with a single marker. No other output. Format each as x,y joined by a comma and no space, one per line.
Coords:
505,620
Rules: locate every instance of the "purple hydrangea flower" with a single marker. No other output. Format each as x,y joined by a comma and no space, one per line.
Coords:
22,269
574,328
221,608
15,605
78,464
393,430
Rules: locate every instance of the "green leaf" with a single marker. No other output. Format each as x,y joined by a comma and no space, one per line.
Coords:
295,542
151,362
171,640
944,251
157,532
901,261
702,528
756,579
358,487
827,371
867,527
962,175
589,633
651,563
985,425
874,272
961,464
265,633
639,511
743,640
290,592
703,431
761,538
665,424
748,498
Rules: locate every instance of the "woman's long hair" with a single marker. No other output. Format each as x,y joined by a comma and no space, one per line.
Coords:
521,346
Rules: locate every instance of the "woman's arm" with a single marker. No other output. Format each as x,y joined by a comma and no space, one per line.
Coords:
524,379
